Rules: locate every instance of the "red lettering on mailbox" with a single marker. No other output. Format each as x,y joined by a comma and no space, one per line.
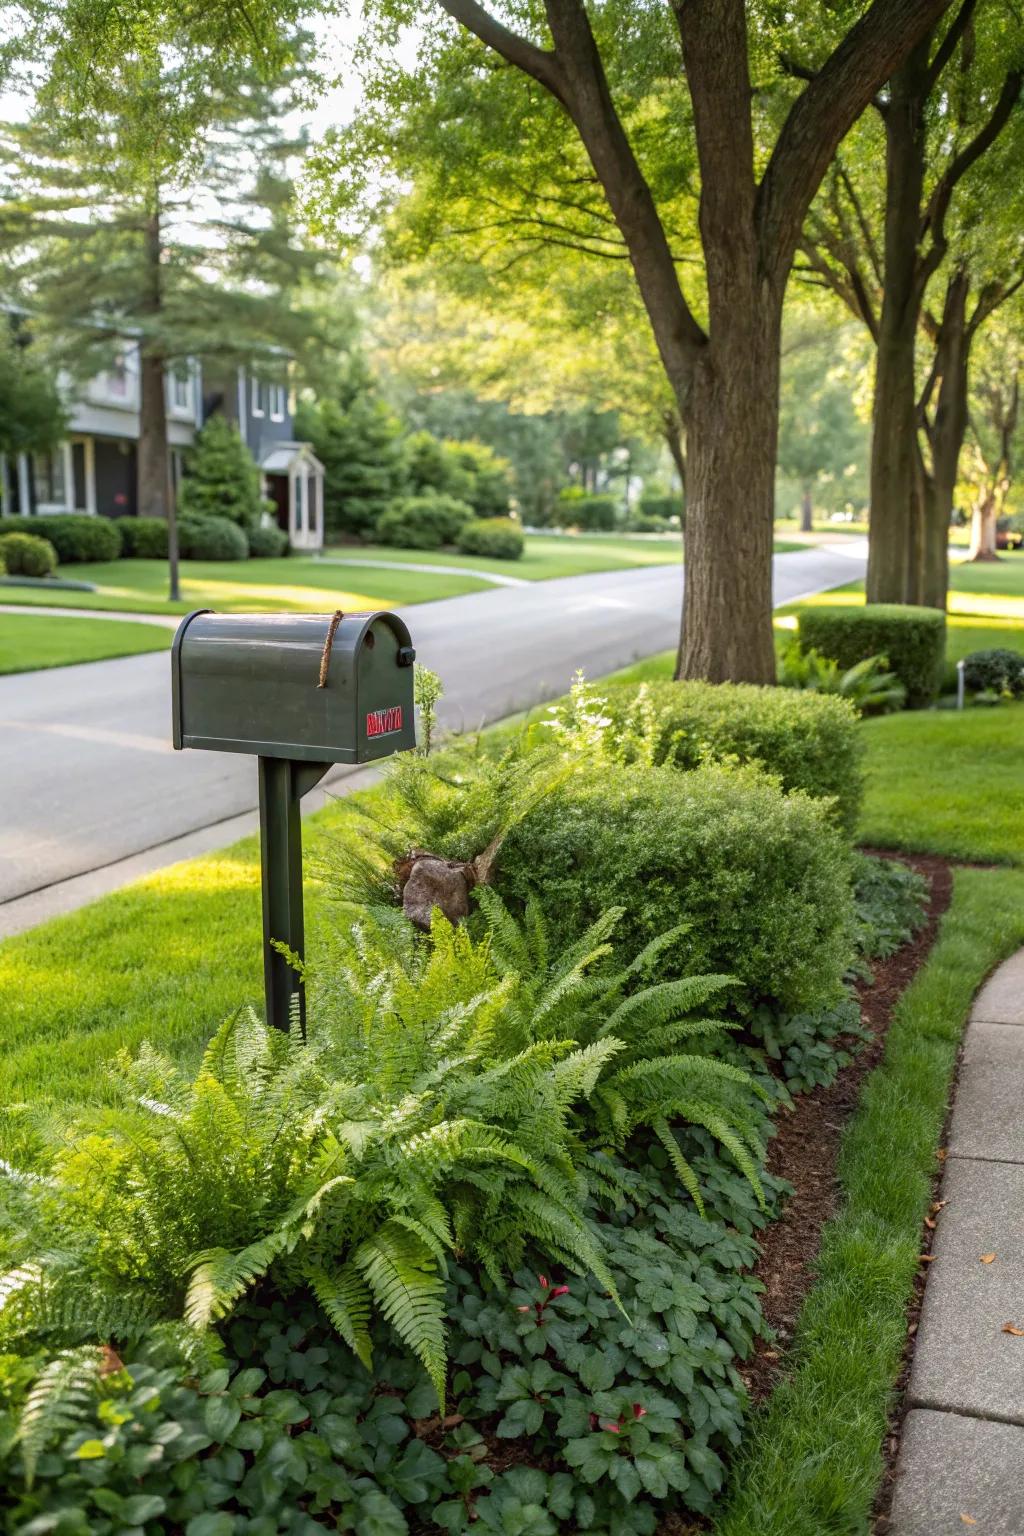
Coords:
384,722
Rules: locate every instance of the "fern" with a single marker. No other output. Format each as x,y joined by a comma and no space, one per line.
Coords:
58,1401
400,1271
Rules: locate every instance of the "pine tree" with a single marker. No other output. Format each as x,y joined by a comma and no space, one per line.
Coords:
356,436
162,214
221,478
32,414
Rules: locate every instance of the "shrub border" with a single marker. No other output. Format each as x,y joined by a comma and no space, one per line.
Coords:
812,1456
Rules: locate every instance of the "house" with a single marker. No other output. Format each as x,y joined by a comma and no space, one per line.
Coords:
94,469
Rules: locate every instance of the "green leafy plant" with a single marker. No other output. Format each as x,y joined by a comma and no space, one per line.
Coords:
423,522
25,554
868,685
995,671
76,536
808,740
497,538
428,692
913,639
891,902
352,1164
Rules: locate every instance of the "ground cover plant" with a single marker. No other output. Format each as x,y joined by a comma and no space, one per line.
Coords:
31,640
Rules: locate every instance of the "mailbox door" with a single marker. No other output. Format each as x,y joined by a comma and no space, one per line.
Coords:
385,721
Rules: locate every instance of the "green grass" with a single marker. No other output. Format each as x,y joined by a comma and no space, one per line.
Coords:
163,960
140,586
948,783
31,640
547,555
345,577
811,1460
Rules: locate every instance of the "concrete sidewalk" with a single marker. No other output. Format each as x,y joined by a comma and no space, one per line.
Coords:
960,1462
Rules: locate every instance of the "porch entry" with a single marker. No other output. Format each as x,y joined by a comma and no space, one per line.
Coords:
293,480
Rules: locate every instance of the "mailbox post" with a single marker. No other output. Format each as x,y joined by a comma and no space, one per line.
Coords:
299,692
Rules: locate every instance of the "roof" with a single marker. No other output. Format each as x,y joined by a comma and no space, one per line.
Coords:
279,459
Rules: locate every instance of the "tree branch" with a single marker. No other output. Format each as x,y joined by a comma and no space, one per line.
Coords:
946,49
938,204
541,64
824,112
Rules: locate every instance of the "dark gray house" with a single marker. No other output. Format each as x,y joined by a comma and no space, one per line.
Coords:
94,470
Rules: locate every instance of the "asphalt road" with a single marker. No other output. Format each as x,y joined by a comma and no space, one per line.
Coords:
88,778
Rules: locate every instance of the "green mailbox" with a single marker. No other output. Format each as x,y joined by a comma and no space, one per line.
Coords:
300,692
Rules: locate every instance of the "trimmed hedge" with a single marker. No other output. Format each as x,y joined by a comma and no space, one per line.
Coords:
24,554
144,538
591,514
913,640
76,536
995,671
761,879
423,522
266,543
211,538
809,740
499,538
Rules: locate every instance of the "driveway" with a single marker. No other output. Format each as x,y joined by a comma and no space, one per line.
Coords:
93,794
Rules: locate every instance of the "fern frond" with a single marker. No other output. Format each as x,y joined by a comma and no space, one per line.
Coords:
399,1270
58,1401
683,1171
345,1298
709,1117
220,1277
655,1005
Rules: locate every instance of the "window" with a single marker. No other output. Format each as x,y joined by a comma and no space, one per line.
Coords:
257,398
117,377
181,388
278,402
48,479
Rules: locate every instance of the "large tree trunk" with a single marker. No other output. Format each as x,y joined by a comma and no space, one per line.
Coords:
946,435
895,503
984,518
806,511
731,432
155,495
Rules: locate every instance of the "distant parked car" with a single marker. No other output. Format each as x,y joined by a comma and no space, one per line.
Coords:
1008,537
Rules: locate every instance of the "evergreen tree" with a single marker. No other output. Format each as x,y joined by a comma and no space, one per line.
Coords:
32,414
161,214
221,479
356,436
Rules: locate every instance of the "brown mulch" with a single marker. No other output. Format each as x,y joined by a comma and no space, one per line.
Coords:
805,1148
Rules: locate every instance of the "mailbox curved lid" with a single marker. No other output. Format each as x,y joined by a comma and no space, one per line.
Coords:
258,683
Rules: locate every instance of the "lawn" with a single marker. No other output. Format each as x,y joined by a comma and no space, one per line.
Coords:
345,577
30,640
139,586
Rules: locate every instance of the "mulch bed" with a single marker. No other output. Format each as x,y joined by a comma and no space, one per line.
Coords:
805,1148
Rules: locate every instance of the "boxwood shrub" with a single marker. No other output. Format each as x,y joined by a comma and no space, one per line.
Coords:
144,538
912,639
266,543
995,671
761,878
211,538
808,739
423,522
497,537
23,554
76,536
